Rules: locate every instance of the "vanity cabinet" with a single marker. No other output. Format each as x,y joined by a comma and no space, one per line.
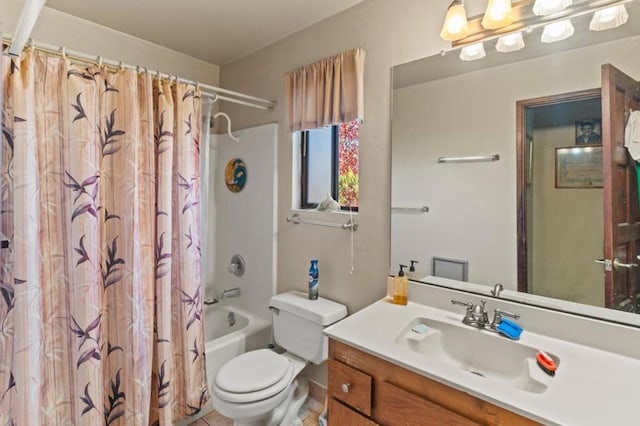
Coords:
367,390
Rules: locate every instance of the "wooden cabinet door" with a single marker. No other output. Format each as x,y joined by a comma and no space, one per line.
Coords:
620,95
341,415
402,408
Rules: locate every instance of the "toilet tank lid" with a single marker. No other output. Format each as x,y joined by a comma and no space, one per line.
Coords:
321,311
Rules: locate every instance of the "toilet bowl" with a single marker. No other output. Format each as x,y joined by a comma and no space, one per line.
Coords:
263,387
251,387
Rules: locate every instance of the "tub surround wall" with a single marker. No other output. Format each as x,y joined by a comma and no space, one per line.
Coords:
245,221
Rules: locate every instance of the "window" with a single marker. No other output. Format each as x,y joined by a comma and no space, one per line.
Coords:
329,165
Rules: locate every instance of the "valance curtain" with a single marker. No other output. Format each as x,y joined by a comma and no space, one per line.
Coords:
326,92
101,307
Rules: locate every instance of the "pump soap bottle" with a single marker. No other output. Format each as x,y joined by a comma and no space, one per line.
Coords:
400,287
412,274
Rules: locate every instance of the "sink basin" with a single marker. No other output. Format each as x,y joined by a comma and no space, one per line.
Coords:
480,352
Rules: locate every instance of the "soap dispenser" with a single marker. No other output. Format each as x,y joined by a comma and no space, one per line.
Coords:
400,287
412,270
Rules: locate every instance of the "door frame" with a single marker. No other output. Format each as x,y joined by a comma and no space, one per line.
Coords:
521,169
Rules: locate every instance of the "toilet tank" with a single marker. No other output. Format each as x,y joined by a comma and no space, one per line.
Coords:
298,323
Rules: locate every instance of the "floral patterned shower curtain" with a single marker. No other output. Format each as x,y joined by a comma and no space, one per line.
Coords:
101,295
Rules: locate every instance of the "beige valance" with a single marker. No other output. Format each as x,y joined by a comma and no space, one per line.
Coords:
326,92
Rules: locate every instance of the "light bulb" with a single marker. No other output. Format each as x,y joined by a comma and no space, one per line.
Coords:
455,25
608,18
498,10
510,43
498,14
547,7
473,52
557,31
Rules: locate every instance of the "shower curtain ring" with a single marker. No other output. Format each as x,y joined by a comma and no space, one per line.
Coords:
99,61
64,52
121,66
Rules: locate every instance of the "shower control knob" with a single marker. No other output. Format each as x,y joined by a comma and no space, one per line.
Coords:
345,387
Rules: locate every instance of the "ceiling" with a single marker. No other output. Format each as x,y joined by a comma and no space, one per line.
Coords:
216,31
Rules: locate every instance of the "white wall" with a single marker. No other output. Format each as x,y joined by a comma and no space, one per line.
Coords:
245,221
391,32
568,228
62,29
473,205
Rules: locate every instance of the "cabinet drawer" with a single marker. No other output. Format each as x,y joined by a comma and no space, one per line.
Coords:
341,415
350,386
405,408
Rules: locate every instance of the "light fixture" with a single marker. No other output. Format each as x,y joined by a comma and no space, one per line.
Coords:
455,25
510,43
506,21
548,7
473,52
27,20
608,18
498,14
557,31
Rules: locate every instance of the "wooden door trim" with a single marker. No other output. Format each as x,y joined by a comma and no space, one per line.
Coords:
521,170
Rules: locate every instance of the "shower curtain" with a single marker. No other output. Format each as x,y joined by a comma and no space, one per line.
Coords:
101,307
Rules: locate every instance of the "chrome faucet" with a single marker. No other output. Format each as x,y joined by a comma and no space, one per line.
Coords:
226,294
477,316
497,289
230,292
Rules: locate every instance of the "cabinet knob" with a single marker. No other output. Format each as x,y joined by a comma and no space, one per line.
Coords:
345,387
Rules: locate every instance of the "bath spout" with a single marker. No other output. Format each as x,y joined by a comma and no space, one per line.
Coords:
230,292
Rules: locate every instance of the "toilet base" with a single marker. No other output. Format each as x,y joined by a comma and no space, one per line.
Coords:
284,414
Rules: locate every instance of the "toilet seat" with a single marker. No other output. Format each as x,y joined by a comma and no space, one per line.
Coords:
253,376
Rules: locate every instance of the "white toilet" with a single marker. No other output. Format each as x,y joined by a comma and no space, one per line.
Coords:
261,387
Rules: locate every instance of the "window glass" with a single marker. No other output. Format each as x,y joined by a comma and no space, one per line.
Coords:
348,164
330,166
319,158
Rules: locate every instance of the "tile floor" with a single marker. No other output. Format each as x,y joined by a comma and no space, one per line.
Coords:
308,416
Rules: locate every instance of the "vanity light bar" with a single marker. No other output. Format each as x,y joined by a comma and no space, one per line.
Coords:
469,159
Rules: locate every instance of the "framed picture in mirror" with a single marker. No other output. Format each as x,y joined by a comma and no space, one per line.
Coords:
579,167
588,132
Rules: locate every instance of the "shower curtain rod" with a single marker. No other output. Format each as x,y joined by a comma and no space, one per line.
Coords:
217,93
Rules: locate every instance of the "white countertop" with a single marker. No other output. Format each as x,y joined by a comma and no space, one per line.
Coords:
592,386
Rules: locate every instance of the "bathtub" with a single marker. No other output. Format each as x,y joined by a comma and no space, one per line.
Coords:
226,339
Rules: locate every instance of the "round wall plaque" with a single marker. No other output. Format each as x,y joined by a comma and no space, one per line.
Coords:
235,175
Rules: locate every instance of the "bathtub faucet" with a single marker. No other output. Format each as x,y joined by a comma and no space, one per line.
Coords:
230,292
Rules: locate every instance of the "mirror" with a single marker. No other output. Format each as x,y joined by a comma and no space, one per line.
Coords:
468,212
